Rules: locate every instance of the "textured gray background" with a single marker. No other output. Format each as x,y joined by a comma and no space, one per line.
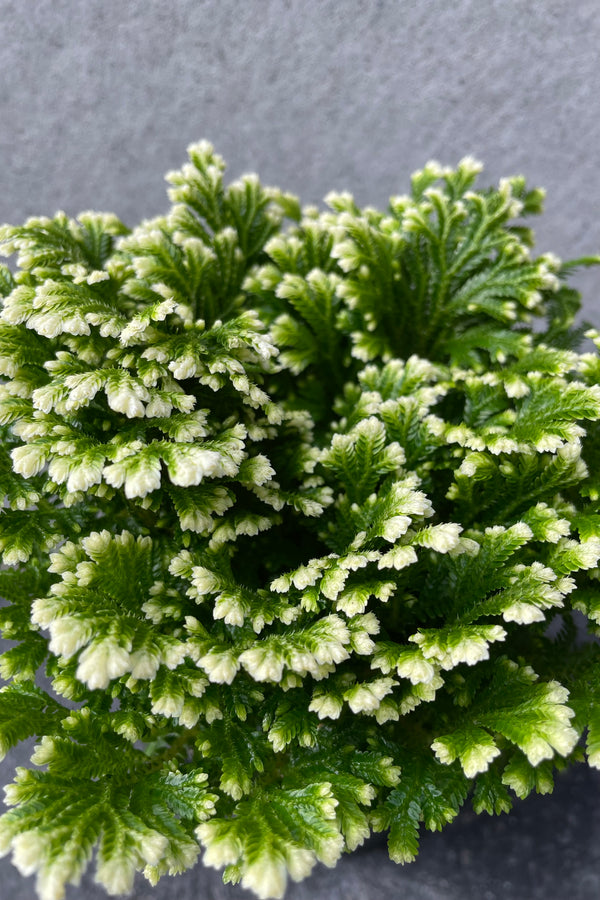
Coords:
98,98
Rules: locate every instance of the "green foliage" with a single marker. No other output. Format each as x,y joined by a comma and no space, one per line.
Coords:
302,513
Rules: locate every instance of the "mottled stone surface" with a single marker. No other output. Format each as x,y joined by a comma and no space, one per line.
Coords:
99,98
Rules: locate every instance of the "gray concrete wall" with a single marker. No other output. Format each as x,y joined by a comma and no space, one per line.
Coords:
98,98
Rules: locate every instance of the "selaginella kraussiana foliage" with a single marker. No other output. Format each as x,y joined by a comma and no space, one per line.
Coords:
301,513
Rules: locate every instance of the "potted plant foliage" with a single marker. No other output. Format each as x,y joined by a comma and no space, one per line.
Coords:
301,513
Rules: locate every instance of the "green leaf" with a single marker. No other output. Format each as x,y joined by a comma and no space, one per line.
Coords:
523,777
278,832
428,792
238,754
490,794
25,710
472,746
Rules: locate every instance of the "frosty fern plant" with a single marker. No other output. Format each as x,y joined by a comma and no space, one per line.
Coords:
299,508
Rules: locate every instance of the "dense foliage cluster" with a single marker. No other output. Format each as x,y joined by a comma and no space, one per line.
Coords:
300,530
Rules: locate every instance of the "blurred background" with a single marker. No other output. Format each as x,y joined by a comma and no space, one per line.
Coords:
99,98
